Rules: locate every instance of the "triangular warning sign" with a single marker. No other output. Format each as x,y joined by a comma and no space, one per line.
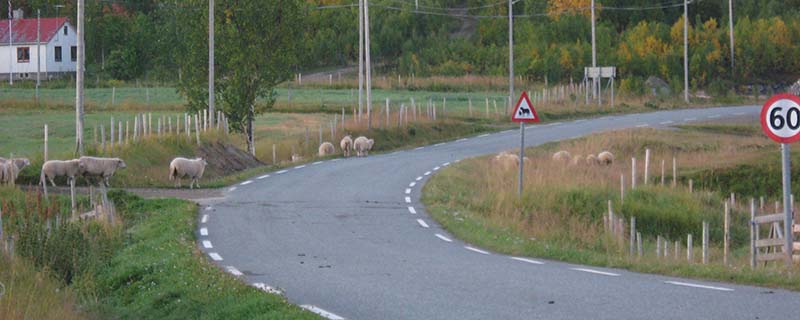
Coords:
524,111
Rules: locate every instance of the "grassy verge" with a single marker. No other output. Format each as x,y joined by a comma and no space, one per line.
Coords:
560,216
26,293
141,263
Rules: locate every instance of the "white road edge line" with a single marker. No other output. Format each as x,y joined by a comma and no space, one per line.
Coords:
299,167
232,189
693,285
439,144
215,256
412,210
204,231
232,270
282,172
207,244
446,239
690,119
408,190
462,139
321,312
316,163
209,208
666,122
263,177
436,168
419,148
408,199
264,287
476,250
445,164
204,219
411,185
419,178
483,135
422,223
642,125
596,272
246,183
427,173
527,260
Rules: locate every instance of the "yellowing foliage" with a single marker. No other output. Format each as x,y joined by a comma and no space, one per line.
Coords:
555,8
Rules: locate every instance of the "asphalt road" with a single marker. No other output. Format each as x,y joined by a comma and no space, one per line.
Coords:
341,237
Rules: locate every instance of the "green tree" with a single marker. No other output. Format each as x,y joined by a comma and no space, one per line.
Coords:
256,46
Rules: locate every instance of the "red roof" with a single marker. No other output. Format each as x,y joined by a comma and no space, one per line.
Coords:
24,30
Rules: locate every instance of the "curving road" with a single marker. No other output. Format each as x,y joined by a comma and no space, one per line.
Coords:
348,238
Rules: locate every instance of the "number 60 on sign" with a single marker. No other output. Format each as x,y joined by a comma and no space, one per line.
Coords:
780,118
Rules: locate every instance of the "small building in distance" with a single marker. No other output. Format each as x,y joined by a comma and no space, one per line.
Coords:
19,48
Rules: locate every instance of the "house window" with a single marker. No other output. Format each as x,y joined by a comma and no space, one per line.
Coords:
65,30
58,54
73,53
23,54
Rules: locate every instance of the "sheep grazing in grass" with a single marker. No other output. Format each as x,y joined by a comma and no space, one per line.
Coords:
347,145
326,149
592,160
605,158
362,145
507,160
58,168
10,169
576,159
562,156
103,168
192,168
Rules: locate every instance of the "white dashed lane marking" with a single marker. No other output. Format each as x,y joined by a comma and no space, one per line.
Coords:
436,168
204,232
207,244
642,125
411,185
439,144
246,183
596,272
419,148
422,223
715,116
204,219
666,122
443,238
690,119
408,199
462,140
263,177
232,270
232,189
215,256
408,190
268,289
316,163
412,210
527,260
476,250
693,285
321,312
282,172
483,135
419,178
209,208
445,164
427,173
299,167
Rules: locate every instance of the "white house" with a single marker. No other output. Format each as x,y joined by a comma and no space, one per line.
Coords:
56,50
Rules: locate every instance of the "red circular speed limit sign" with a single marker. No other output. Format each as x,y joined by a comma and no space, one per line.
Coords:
780,118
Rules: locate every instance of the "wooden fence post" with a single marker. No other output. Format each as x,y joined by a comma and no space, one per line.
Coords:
45,144
691,186
753,233
727,236
103,138
197,128
674,172
662,172
274,155
633,173
632,241
621,187
639,248
658,246
611,220
646,166
689,248
705,242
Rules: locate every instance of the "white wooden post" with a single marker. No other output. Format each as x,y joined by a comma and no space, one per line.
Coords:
633,173
646,166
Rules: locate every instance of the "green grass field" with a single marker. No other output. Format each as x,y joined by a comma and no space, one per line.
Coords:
560,215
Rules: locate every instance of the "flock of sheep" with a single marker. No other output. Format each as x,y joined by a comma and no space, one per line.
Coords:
507,160
361,145
88,167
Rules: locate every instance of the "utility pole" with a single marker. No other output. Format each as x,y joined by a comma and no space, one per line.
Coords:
211,98
360,58
686,50
594,53
38,51
511,92
79,81
369,65
730,30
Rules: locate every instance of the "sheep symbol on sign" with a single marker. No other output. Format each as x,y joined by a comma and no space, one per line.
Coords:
524,111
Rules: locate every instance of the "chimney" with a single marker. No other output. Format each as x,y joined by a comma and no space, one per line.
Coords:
18,14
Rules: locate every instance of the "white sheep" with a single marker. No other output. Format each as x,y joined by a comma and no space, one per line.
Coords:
58,168
326,149
507,160
562,156
192,168
347,145
103,168
576,160
605,158
11,168
592,160
362,145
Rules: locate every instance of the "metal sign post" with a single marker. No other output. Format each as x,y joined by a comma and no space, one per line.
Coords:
780,120
523,112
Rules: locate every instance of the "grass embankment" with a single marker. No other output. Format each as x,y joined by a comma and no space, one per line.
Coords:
560,215
26,293
141,263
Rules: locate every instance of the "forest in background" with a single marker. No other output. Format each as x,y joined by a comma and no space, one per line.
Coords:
142,40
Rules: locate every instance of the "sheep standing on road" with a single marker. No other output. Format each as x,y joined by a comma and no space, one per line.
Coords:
103,168
57,168
347,145
192,168
326,149
605,158
363,146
